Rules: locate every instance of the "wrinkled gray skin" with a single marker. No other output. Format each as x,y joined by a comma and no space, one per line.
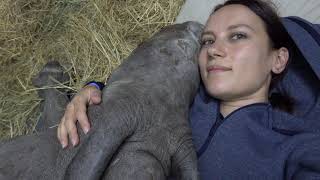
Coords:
139,131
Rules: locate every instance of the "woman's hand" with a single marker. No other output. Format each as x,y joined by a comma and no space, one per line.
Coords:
77,111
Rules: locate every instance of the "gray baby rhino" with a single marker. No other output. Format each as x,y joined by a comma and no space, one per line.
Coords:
140,131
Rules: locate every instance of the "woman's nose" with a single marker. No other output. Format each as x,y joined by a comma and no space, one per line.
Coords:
216,50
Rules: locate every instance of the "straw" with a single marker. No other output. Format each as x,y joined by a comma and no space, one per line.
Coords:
90,38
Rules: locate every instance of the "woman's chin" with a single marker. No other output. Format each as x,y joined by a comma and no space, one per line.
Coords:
218,92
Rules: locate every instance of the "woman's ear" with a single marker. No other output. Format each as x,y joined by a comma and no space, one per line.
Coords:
280,61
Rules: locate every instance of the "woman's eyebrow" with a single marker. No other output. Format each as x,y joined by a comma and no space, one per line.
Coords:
235,26
231,27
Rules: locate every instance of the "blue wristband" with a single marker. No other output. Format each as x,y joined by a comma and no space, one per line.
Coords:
98,85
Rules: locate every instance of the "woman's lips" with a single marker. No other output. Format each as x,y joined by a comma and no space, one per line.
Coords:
218,69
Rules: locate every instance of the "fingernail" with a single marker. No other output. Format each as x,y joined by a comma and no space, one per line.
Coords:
86,130
63,145
73,142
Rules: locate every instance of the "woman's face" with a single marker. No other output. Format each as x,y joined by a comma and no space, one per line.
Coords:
235,58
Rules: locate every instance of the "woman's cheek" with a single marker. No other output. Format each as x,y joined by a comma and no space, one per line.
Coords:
202,65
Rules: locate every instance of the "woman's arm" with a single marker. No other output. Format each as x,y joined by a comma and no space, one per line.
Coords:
75,111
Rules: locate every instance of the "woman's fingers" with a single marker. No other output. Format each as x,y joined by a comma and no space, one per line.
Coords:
62,133
81,116
77,111
70,124
90,95
94,97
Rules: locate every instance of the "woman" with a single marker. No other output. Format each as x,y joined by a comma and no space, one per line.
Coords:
245,51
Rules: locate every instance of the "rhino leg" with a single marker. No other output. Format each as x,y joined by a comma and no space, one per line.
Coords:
184,162
36,156
54,100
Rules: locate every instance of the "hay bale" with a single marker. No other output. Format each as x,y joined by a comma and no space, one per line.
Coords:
89,37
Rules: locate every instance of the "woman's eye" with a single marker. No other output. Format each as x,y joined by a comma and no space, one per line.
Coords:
207,42
237,36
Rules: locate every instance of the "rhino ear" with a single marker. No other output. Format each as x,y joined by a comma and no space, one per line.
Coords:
195,27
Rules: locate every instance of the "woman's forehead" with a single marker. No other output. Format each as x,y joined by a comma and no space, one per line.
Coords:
234,15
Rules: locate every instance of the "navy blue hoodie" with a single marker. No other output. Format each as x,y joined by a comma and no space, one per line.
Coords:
258,141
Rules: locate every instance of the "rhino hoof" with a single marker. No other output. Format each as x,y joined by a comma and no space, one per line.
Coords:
51,74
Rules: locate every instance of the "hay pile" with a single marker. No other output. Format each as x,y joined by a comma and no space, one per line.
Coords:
88,37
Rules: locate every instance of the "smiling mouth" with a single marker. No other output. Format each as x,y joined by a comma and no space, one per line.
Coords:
216,69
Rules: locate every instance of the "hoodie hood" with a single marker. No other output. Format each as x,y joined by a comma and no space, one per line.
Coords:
302,80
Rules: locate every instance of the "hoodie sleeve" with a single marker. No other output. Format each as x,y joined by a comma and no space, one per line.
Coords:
303,161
